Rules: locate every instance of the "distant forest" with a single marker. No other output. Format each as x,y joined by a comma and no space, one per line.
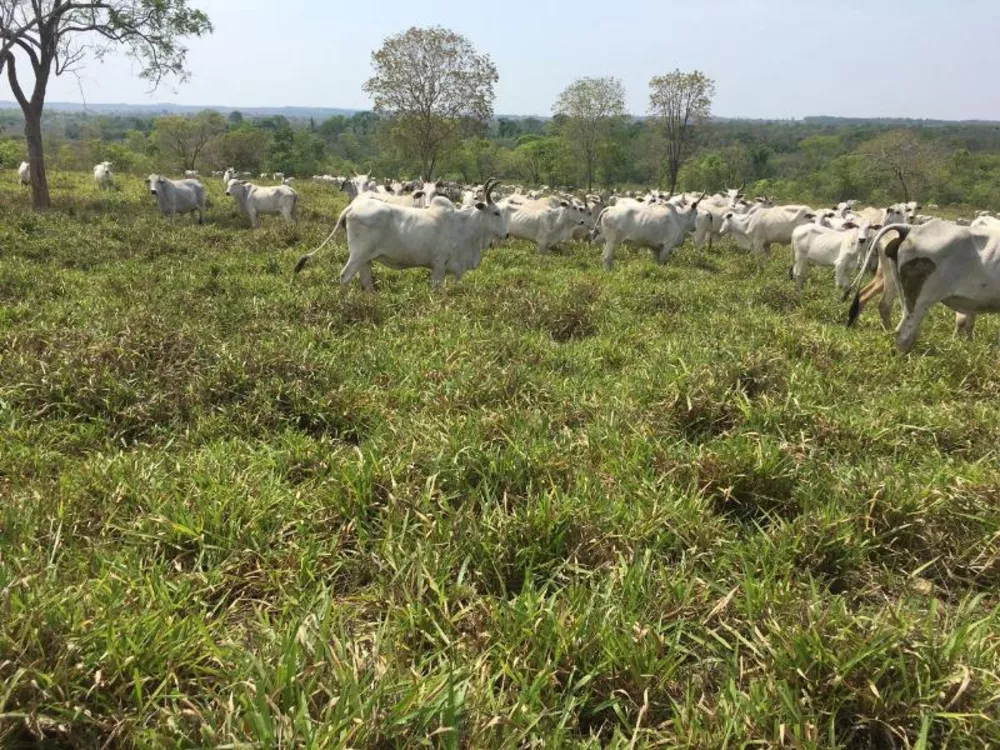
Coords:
817,159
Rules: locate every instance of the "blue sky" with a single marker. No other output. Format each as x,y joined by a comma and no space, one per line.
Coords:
780,58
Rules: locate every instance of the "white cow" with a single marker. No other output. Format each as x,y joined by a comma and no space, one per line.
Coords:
441,237
659,227
279,176
103,177
985,222
712,212
355,186
827,246
24,173
178,196
542,224
942,262
191,174
254,201
229,174
759,230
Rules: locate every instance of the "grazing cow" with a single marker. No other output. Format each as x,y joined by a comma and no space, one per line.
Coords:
279,176
826,246
941,262
441,237
541,223
24,173
229,174
178,196
659,227
254,201
191,174
758,231
103,177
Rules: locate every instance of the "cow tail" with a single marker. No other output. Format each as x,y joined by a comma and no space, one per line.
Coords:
305,258
904,231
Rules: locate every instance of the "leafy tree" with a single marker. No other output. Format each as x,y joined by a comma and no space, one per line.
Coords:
678,102
56,36
593,107
901,156
184,139
243,149
428,80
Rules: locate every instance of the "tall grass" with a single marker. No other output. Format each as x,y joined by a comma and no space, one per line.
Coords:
666,506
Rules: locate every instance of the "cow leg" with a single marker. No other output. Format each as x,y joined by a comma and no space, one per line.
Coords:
800,270
365,274
351,268
254,219
889,294
437,274
964,324
609,255
909,329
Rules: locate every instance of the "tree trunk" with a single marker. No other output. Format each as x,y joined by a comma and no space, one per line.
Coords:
36,157
674,168
906,190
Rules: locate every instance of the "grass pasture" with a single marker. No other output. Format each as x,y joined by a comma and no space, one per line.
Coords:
667,506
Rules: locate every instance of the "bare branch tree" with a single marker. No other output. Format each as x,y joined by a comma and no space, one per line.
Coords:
431,81
57,36
593,107
680,101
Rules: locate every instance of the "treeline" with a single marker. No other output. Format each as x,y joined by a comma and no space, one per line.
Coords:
817,160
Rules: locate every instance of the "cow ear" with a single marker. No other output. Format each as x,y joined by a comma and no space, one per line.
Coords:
810,216
564,204
876,227
481,206
850,225
418,194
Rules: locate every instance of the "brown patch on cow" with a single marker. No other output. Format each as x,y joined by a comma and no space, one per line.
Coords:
912,276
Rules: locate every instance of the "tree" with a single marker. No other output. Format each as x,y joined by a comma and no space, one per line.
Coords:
901,155
243,149
592,108
680,101
430,80
56,36
184,139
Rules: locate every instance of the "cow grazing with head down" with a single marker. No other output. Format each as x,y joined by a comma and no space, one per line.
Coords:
254,201
941,262
24,173
178,196
445,239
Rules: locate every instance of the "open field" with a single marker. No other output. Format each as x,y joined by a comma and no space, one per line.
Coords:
666,506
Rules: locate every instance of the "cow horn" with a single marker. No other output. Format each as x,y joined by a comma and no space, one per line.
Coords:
488,188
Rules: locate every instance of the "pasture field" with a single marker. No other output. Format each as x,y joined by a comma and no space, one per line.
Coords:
670,506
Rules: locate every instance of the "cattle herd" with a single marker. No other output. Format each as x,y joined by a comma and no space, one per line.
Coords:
921,260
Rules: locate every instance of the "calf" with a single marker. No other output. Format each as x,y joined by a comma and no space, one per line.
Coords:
826,246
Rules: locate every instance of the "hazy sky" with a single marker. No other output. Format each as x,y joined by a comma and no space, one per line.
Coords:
780,58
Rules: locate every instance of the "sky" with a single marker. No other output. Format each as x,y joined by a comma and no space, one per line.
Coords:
774,59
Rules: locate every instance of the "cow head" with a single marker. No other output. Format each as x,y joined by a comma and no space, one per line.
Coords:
154,181
494,219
